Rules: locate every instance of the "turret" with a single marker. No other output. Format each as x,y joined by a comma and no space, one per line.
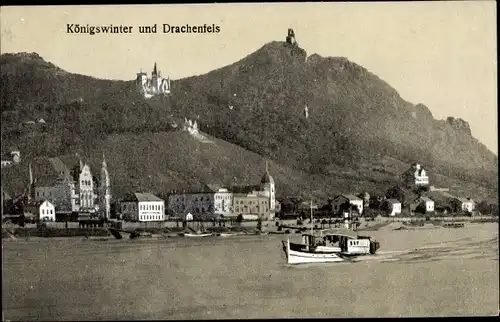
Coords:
155,71
290,39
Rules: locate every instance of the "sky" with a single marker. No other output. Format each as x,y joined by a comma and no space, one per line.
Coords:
441,54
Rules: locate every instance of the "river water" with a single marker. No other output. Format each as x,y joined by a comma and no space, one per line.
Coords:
433,272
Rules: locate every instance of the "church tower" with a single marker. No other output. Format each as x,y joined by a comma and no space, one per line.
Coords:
267,185
104,191
155,79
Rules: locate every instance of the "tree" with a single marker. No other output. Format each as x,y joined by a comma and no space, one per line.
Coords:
483,207
386,207
421,190
396,192
494,209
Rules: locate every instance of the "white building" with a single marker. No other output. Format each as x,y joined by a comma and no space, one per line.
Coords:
340,200
463,204
143,207
223,202
416,175
86,189
42,210
427,204
396,206
156,85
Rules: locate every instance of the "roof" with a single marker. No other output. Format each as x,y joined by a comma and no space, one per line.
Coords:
146,196
60,167
48,181
266,178
463,200
37,204
393,201
426,199
244,189
249,195
439,196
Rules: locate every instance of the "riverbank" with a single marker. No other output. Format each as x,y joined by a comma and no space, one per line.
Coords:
58,229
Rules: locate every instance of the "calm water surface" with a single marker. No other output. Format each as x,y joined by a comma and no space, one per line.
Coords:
435,272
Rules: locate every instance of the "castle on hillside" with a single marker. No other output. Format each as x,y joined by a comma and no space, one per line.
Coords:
156,85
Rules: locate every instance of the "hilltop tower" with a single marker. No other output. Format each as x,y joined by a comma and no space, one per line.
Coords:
104,191
290,38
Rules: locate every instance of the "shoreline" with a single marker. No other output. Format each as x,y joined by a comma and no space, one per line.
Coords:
103,234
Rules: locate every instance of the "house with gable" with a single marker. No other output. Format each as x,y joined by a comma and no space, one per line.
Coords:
339,201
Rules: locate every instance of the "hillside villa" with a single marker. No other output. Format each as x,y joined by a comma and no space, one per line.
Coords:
415,176
13,157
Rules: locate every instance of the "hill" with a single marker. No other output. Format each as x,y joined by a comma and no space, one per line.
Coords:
360,134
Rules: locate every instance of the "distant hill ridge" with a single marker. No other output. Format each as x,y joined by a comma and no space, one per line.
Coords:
355,121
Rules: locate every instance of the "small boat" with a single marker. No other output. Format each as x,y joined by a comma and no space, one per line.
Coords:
454,224
99,238
140,234
118,234
226,234
197,235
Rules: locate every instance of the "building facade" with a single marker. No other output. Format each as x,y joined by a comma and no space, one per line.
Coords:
42,210
462,204
197,203
251,204
143,207
424,205
75,190
223,202
395,206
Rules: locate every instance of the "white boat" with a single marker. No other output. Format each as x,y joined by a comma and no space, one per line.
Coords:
197,235
327,246
303,254
227,234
